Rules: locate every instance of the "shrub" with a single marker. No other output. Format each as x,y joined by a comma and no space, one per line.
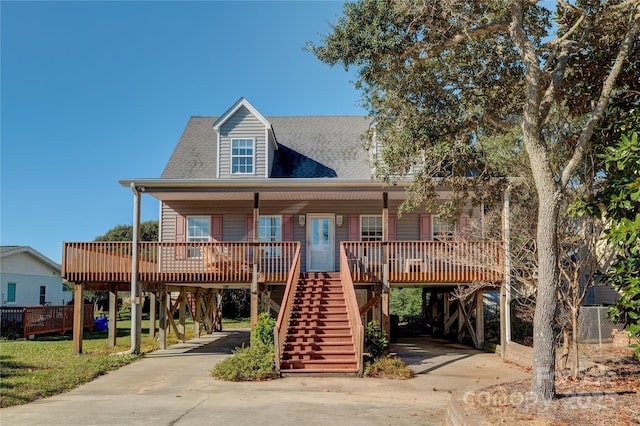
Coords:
256,362
388,368
375,341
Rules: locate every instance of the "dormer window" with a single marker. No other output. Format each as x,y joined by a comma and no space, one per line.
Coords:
242,156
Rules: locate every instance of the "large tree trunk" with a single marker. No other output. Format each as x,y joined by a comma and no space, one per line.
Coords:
575,369
549,197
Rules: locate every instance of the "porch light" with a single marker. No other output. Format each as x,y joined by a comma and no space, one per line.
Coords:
339,220
302,219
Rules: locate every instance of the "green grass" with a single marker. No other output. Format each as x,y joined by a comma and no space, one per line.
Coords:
46,366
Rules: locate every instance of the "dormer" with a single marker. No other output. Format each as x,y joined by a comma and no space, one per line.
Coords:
246,143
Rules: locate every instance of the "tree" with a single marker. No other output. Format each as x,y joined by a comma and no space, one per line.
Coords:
618,203
440,76
148,232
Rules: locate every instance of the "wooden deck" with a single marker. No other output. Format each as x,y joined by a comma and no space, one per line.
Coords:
408,262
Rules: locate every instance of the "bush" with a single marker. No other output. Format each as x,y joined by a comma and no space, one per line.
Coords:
253,363
388,368
375,341
247,364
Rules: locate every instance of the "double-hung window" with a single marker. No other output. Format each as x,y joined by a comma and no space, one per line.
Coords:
242,156
198,230
443,229
270,231
371,228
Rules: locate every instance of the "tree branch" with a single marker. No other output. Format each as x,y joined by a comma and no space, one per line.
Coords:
605,93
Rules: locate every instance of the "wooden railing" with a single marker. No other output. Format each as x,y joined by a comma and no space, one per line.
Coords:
357,328
41,319
286,307
426,261
177,262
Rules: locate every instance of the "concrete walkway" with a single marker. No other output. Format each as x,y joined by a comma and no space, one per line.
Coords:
173,387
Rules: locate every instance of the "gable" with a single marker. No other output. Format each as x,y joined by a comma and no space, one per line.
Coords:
25,263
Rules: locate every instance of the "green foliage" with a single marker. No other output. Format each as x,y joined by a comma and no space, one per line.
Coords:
619,203
148,232
256,362
388,368
406,303
263,330
376,342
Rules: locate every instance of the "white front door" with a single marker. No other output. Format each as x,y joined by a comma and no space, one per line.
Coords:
320,242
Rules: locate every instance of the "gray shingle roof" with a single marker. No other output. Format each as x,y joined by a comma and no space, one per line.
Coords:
309,147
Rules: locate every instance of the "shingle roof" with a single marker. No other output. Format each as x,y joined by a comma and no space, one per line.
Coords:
309,147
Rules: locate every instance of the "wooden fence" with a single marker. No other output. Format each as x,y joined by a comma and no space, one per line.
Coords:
30,320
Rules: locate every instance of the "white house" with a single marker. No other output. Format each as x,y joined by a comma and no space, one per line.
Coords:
28,278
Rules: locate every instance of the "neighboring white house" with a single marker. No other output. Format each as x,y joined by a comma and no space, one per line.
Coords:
28,278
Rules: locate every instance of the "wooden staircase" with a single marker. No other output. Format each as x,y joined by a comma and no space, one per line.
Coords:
319,338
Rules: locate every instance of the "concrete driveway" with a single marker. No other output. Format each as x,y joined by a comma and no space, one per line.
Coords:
173,387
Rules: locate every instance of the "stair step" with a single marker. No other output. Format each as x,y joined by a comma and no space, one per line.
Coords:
318,346
318,338
318,363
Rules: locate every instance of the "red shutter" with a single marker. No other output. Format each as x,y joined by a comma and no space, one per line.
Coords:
287,227
354,228
249,227
392,227
216,227
181,229
426,232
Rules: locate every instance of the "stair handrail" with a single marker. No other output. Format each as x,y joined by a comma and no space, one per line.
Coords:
352,307
284,316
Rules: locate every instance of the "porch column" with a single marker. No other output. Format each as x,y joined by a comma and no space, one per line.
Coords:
197,320
153,300
136,310
384,295
505,290
256,258
162,326
480,318
112,325
182,308
78,317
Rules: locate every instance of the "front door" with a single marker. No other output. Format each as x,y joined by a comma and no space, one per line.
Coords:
320,242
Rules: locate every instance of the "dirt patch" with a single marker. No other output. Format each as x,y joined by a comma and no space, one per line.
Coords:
608,393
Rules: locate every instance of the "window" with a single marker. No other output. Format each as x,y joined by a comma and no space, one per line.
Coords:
11,293
443,229
270,230
43,294
371,228
197,231
241,156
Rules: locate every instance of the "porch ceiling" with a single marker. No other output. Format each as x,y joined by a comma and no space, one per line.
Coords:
269,189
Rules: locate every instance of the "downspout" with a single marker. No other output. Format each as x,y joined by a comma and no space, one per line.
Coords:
135,286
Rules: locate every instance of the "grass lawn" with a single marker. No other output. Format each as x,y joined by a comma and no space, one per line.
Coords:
46,366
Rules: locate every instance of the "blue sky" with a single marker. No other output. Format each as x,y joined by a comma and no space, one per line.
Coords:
93,92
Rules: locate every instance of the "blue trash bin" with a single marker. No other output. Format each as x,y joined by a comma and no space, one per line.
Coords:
100,324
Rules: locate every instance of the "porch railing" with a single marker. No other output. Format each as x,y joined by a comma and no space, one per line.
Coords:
25,321
357,328
286,308
426,261
177,262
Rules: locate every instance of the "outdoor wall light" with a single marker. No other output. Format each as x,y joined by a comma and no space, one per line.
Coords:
302,219
339,220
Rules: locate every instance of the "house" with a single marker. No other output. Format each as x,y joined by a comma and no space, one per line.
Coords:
287,207
28,278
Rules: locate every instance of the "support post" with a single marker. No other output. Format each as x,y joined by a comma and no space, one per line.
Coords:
136,309
254,298
112,325
480,319
197,320
78,317
182,308
505,290
162,326
153,313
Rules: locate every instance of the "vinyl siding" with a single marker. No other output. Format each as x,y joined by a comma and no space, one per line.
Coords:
243,125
